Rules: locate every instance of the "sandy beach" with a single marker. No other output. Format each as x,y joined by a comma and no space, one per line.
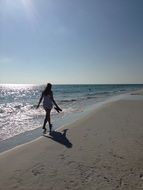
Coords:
101,151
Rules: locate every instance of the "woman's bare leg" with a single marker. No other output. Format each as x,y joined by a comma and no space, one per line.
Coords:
47,118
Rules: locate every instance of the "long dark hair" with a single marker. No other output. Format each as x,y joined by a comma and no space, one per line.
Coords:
47,89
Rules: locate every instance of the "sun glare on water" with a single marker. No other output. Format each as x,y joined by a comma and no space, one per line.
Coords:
17,86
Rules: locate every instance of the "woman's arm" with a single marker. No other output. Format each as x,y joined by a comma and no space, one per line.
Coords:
40,101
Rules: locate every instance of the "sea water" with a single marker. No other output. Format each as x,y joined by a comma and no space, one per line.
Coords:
18,113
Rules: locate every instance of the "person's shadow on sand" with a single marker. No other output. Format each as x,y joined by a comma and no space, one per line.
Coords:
60,138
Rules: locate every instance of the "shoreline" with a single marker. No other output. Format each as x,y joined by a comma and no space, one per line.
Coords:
103,150
35,134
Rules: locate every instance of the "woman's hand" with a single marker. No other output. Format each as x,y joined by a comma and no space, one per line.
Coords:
58,109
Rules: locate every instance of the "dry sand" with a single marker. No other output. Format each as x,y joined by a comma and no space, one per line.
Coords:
102,151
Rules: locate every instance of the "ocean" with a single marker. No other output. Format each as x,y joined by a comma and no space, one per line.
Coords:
18,113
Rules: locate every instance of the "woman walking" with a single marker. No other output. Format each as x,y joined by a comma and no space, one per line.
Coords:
48,101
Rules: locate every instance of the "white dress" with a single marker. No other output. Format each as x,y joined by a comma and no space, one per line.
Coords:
47,102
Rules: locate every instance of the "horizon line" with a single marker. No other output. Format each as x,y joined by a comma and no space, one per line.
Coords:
72,83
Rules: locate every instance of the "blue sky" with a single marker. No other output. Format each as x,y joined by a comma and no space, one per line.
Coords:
71,41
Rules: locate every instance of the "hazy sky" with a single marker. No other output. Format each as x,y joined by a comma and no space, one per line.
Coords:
71,41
